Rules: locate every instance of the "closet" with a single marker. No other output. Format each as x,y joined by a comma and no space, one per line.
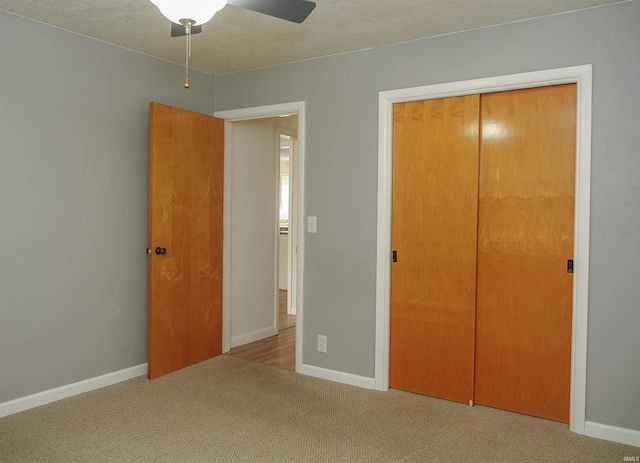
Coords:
482,239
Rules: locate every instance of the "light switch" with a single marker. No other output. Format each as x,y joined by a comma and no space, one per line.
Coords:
312,224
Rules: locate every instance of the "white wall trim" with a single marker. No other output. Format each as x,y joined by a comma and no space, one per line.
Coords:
338,376
59,393
246,338
582,76
614,434
259,112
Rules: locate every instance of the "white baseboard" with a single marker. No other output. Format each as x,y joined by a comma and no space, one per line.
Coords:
338,376
246,338
45,397
612,433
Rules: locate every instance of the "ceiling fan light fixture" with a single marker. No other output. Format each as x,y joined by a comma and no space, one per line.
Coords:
199,11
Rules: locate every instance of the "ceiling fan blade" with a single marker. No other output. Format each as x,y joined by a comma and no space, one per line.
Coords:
290,10
177,30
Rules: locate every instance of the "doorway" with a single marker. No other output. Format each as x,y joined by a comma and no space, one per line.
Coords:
287,217
235,279
581,75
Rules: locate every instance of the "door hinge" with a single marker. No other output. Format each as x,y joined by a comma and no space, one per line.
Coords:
570,266
394,257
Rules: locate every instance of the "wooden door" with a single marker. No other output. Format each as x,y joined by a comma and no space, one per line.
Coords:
525,237
185,218
434,215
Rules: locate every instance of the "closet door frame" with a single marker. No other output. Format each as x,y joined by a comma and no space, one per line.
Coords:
582,77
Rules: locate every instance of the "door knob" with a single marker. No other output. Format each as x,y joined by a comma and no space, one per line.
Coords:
160,250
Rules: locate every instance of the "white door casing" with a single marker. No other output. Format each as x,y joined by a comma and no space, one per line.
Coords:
292,235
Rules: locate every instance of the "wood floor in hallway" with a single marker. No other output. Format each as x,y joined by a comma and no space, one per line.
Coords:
277,351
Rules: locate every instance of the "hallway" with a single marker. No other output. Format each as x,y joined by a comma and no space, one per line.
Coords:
276,351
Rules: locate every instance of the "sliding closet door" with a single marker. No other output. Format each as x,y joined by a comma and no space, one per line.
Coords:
525,238
435,185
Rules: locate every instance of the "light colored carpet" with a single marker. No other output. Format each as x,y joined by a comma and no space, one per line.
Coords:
231,410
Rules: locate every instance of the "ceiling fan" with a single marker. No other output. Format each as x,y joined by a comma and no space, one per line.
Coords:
187,16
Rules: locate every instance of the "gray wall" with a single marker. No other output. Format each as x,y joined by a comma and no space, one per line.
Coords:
341,177
73,202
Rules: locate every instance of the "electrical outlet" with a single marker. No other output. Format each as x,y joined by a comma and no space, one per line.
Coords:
322,343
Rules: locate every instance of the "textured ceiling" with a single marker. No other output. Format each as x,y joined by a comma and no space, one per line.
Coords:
237,39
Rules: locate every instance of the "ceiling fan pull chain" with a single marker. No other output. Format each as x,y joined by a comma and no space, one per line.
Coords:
189,41
187,28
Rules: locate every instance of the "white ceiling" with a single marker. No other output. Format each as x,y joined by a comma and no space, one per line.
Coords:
237,39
